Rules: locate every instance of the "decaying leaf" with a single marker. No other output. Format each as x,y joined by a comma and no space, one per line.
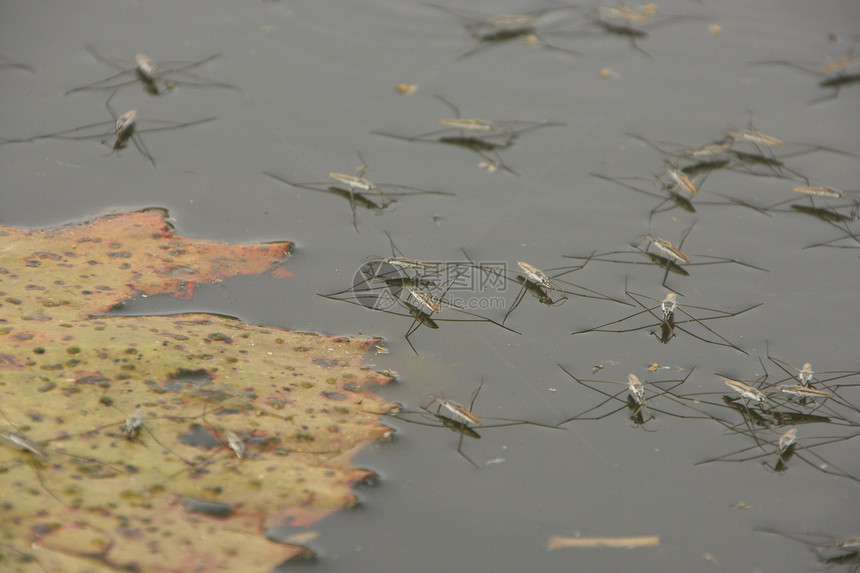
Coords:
171,495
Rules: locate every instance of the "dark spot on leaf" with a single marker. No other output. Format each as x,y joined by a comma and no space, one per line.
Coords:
49,256
198,377
326,363
210,508
200,437
42,529
95,379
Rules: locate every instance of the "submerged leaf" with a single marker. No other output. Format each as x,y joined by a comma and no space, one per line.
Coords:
173,494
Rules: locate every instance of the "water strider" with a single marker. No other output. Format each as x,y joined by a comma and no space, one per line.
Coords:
664,191
124,129
356,189
462,420
824,192
485,138
541,284
669,256
746,391
133,423
39,457
401,261
635,401
806,376
834,74
672,317
490,31
783,448
415,296
155,78
627,23
236,444
830,551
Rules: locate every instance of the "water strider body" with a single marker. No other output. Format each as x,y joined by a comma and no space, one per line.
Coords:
151,75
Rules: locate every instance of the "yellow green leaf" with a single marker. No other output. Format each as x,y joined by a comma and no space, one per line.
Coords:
163,443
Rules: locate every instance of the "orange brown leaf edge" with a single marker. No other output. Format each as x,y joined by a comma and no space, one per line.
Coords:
163,443
94,266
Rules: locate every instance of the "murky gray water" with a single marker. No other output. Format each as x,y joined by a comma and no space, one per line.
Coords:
316,78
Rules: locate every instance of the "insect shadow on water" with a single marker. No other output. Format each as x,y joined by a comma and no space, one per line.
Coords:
125,129
667,312
635,400
627,23
156,78
461,420
490,31
485,138
10,63
834,74
356,189
39,456
830,550
669,256
848,240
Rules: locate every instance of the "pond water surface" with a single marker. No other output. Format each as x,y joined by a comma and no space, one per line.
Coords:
316,79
